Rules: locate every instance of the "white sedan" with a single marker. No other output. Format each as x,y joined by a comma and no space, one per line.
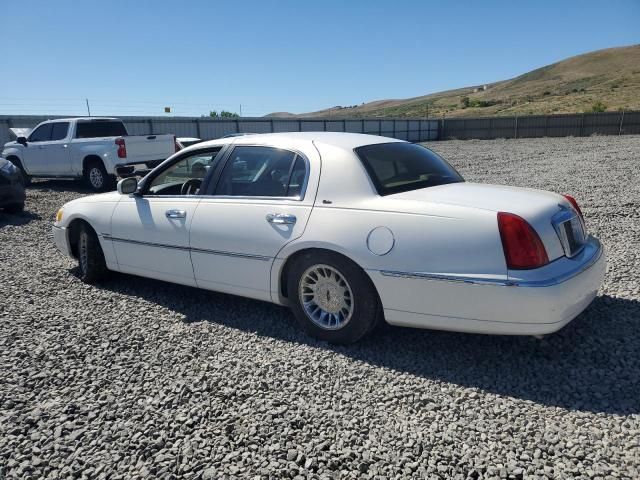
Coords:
347,230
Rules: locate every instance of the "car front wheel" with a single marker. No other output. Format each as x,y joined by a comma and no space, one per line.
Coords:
90,256
332,298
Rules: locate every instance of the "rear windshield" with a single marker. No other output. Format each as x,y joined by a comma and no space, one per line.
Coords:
100,129
399,167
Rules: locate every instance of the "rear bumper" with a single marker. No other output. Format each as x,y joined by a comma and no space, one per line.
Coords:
534,303
61,240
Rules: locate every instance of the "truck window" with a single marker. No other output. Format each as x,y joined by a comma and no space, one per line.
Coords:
101,128
41,134
59,130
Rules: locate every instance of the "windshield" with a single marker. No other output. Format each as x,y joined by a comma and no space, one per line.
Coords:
398,167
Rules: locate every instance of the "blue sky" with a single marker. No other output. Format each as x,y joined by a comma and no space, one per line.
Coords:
135,57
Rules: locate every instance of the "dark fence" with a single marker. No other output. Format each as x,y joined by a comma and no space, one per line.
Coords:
413,130
576,125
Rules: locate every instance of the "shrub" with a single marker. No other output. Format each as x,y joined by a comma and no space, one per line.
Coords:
598,107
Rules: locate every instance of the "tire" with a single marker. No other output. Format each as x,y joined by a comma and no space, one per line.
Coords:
14,208
97,178
26,179
90,256
352,308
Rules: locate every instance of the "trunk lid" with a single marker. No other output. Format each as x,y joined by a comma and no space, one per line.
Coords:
539,208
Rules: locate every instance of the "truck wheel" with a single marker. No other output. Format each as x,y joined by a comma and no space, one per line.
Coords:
26,179
97,177
332,298
90,256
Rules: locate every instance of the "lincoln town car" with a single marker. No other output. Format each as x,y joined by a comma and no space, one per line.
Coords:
347,230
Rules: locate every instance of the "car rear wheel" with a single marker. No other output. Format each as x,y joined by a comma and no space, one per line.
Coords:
90,256
332,298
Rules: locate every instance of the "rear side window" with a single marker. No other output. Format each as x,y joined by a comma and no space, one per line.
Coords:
400,167
97,129
41,134
59,130
262,172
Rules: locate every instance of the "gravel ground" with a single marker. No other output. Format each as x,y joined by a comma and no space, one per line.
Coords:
143,379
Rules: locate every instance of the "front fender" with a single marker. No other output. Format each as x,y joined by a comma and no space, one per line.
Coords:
98,215
15,151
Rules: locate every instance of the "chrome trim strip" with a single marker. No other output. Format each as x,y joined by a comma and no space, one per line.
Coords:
232,254
188,249
139,242
448,278
548,282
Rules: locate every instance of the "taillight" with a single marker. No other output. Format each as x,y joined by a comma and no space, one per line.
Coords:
122,148
575,205
176,144
522,246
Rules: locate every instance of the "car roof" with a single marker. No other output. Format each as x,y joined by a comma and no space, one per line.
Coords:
338,139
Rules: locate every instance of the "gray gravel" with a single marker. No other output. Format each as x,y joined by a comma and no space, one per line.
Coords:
142,379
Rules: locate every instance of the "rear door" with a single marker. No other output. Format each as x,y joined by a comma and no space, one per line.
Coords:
261,201
150,232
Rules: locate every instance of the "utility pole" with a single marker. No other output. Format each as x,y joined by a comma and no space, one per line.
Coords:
240,109
88,109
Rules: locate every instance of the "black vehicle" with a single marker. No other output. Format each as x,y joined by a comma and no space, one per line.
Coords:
12,195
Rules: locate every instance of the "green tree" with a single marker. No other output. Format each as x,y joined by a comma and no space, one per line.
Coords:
214,114
464,101
225,114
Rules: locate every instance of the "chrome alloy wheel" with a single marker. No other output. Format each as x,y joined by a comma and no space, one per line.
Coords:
96,178
326,297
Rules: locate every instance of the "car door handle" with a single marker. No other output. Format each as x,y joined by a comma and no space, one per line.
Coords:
175,214
281,218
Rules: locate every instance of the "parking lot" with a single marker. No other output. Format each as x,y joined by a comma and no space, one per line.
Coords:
138,378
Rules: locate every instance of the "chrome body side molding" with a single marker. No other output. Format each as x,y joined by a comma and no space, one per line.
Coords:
189,249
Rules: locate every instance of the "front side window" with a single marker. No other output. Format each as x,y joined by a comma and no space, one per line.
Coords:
41,134
100,128
262,172
399,166
184,177
59,130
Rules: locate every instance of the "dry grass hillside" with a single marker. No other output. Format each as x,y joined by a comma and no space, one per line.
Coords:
605,79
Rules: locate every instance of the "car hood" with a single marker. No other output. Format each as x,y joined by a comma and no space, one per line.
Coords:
109,197
525,202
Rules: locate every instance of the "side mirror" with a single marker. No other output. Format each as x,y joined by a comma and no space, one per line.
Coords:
127,186
22,141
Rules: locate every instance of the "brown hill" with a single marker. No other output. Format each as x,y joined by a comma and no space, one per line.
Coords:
608,79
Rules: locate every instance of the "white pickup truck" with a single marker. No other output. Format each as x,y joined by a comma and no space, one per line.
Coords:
91,148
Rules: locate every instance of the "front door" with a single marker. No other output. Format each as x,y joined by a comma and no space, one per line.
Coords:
47,151
150,231
261,201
